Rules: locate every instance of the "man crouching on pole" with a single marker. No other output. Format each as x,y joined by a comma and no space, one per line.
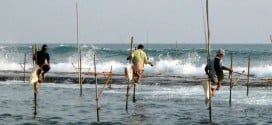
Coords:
215,70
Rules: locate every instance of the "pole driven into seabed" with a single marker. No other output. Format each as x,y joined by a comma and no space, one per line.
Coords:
80,73
209,57
96,92
35,86
128,83
78,49
176,49
24,68
248,75
134,85
230,77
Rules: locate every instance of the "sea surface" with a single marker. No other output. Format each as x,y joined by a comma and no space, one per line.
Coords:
156,104
169,59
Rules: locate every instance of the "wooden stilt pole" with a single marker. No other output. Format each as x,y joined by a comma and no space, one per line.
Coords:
110,81
24,68
176,49
210,102
36,84
230,77
78,49
208,58
134,85
35,98
248,75
134,92
128,83
96,92
80,73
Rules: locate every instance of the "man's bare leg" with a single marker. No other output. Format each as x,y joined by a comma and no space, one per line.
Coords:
218,86
213,90
36,87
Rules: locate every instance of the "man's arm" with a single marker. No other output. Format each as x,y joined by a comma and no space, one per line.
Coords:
48,58
226,68
129,57
207,69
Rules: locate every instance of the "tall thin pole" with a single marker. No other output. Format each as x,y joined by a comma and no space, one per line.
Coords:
271,38
110,77
134,85
248,73
96,91
230,77
35,89
77,27
208,57
128,83
134,92
176,49
35,98
24,67
208,30
131,45
80,77
78,48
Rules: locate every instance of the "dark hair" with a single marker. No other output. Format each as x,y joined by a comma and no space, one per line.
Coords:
44,47
140,46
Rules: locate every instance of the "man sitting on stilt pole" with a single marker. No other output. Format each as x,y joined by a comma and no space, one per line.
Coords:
215,70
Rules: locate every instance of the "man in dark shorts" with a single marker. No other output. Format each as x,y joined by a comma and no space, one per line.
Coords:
215,70
42,59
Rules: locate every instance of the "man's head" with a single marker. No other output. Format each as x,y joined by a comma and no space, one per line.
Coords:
44,47
220,53
140,46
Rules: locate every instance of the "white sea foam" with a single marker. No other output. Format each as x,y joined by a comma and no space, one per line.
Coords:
164,67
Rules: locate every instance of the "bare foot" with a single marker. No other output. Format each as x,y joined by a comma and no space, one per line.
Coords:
43,77
218,88
213,91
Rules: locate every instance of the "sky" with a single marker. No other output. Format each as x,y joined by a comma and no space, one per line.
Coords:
148,21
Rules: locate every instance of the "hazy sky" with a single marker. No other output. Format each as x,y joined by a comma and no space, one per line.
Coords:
149,21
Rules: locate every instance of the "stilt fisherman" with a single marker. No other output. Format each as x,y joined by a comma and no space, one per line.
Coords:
139,58
215,70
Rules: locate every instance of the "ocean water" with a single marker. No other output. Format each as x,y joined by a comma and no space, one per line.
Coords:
169,59
157,104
